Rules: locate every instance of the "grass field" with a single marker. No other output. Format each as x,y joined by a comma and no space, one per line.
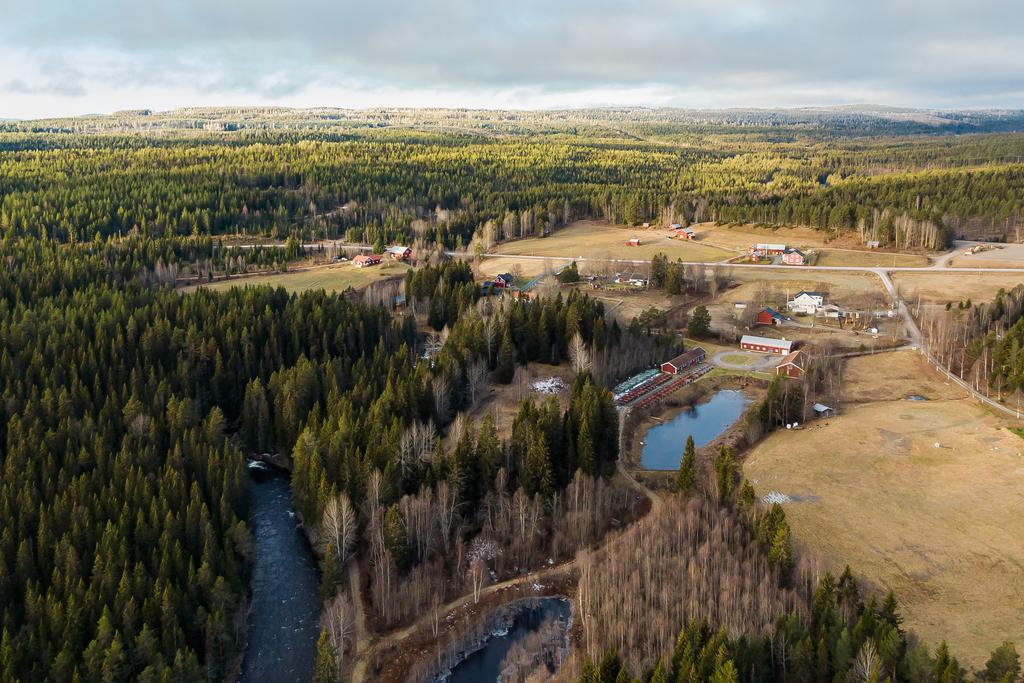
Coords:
741,237
493,266
936,287
600,240
938,525
333,278
869,259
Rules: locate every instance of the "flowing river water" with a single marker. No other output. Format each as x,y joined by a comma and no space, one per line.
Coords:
285,610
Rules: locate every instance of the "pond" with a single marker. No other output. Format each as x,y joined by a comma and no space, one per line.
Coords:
505,647
285,611
664,443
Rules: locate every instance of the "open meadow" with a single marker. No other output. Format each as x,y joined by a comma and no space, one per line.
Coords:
869,259
602,240
923,497
936,287
332,278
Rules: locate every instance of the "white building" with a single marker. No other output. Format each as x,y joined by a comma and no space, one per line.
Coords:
806,302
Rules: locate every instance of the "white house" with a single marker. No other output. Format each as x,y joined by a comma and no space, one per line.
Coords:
807,303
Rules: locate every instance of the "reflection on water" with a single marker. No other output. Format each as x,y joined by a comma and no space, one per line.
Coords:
486,664
285,610
664,443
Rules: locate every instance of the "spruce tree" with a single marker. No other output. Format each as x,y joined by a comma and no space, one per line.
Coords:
686,479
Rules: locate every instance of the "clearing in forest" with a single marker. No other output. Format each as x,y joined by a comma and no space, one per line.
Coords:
923,497
332,278
602,240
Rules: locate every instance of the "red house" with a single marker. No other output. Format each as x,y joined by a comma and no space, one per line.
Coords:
503,281
364,260
794,257
792,365
400,253
688,359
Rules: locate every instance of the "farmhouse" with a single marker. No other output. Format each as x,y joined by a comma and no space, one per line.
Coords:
686,234
685,360
831,311
503,281
792,365
806,303
765,344
794,257
769,316
633,242
363,260
400,253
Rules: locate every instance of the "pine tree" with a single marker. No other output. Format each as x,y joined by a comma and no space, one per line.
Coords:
506,359
395,539
686,479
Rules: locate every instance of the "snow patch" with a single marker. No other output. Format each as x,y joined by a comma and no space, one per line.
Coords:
773,497
551,385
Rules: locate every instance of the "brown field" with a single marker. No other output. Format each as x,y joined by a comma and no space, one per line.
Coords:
741,237
869,259
333,278
938,525
936,287
840,286
602,240
493,266
626,305
1003,256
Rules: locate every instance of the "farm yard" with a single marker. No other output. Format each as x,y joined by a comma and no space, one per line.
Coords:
601,240
920,496
332,278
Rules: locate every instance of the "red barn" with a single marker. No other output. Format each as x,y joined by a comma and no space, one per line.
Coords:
769,316
694,356
765,344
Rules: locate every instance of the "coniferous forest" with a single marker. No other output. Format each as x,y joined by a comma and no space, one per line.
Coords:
128,407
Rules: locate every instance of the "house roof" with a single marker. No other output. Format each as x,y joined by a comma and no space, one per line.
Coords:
771,247
397,249
793,250
821,408
688,357
507,277
367,257
804,292
791,359
766,341
773,313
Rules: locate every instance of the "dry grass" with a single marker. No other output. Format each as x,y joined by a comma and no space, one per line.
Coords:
938,525
869,259
602,240
626,304
493,266
741,237
333,278
936,287
840,286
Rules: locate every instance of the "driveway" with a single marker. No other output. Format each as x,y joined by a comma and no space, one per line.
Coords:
759,362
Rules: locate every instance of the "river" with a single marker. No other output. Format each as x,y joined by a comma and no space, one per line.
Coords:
285,609
487,663
664,443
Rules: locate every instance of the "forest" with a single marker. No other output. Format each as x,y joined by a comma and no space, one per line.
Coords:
433,182
129,407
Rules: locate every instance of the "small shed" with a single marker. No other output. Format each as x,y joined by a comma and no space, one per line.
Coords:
769,316
633,242
822,410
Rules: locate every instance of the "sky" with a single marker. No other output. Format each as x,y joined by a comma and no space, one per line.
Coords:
72,57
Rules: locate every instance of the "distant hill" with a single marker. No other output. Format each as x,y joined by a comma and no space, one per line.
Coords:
847,120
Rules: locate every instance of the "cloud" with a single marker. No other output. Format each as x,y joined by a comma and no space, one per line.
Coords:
540,53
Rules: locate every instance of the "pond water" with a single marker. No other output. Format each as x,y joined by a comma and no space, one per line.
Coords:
285,610
664,443
486,664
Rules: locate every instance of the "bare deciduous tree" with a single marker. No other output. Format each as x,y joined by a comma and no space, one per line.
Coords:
338,526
